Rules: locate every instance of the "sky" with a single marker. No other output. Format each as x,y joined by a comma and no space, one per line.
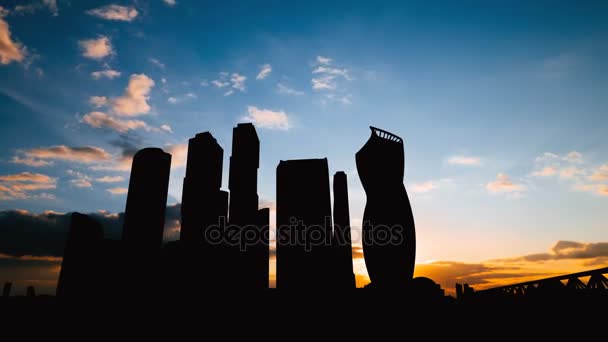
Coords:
501,105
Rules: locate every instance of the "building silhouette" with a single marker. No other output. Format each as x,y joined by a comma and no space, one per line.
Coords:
389,239
304,225
345,277
79,267
147,200
6,289
250,257
203,203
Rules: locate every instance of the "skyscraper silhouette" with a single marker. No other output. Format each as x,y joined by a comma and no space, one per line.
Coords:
79,267
147,200
203,203
250,258
389,239
6,290
345,278
304,228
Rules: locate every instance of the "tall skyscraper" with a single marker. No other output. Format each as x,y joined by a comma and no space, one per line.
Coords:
203,203
250,258
79,267
6,290
345,278
304,227
147,200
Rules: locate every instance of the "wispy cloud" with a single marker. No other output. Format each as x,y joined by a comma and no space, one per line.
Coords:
545,172
265,70
324,60
109,73
80,180
424,187
33,7
285,90
30,161
597,189
118,191
170,3
84,154
601,173
114,12
325,75
98,101
465,160
503,184
156,62
266,118
103,120
134,101
21,185
110,179
97,48
10,50
234,82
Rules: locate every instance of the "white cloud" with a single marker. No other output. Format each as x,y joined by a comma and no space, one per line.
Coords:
573,157
157,62
265,70
135,99
465,160
325,70
503,184
235,81
111,74
96,48
166,128
103,120
283,89
110,179
4,12
170,3
424,187
98,101
10,50
172,100
266,118
323,83
81,183
114,12
324,60
546,157
571,172
545,172
52,6
118,191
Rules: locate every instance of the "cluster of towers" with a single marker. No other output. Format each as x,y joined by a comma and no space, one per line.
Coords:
224,238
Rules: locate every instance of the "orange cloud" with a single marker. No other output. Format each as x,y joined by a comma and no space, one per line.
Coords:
20,186
9,49
84,154
503,184
135,99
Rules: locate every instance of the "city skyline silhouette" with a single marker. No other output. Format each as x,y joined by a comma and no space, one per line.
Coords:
215,144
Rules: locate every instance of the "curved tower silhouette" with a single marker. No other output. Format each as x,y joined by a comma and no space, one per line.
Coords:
389,238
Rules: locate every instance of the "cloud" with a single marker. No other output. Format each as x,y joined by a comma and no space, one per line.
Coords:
170,3
30,161
503,184
110,179
179,155
117,191
567,250
172,100
135,99
234,82
545,172
601,173
546,157
20,185
10,50
285,90
114,12
110,74
465,160
325,75
157,63
52,6
32,8
4,12
598,189
266,118
81,180
424,187
96,48
103,120
84,154
98,101
571,172
265,70
166,128
324,60
573,157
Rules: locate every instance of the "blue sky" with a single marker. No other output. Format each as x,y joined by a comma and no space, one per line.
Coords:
502,104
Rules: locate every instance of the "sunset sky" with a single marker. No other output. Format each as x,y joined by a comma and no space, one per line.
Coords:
501,104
